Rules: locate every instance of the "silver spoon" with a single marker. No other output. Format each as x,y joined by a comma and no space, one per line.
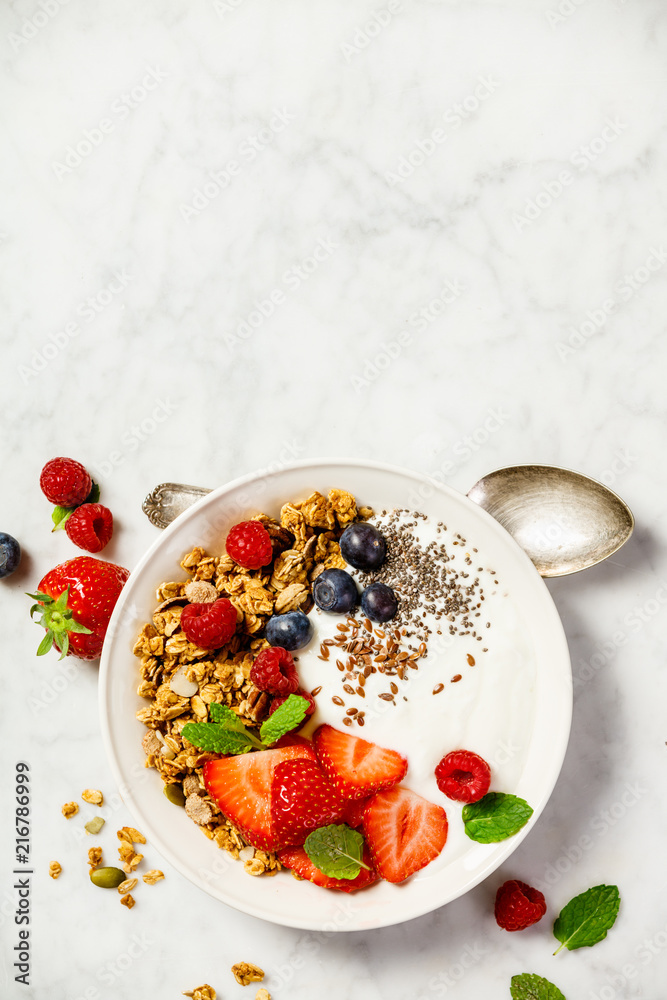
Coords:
564,521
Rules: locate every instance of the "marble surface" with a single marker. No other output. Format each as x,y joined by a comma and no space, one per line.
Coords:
238,233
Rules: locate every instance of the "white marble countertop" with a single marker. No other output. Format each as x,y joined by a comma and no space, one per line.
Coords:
237,233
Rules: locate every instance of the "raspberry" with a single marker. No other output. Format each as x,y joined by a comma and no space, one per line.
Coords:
209,626
90,526
277,702
274,672
463,776
65,482
249,544
518,905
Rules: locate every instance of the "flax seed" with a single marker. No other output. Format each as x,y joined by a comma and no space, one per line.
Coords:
387,697
471,660
362,680
316,691
337,701
456,678
347,721
360,720
438,688
394,688
348,689
328,642
361,692
324,650
352,711
368,625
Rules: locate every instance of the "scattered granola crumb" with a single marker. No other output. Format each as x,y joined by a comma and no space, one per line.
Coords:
204,992
245,973
153,876
129,834
262,994
55,869
200,592
92,795
94,856
127,886
128,901
94,825
69,809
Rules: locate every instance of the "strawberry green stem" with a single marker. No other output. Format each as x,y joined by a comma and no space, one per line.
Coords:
57,619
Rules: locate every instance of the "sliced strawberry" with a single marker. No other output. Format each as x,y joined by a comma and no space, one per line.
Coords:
302,800
356,767
353,811
297,859
241,786
404,832
293,740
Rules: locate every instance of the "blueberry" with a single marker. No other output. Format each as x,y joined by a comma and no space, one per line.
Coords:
379,602
335,591
291,631
363,546
10,554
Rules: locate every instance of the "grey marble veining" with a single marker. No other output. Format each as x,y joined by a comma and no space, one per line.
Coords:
237,233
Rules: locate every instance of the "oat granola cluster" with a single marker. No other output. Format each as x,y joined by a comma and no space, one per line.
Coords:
180,681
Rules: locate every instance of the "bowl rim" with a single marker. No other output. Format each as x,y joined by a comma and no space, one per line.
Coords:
503,850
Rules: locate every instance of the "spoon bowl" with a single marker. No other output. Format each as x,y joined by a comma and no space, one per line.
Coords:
564,521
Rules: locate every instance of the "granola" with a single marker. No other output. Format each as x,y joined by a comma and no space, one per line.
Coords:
94,857
246,973
305,542
128,901
69,809
204,992
55,869
92,795
153,876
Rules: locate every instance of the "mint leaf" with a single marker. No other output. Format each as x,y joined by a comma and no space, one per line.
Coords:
60,516
284,719
528,986
495,817
586,919
336,850
212,738
94,494
225,716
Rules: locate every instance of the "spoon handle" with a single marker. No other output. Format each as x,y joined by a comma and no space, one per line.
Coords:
164,503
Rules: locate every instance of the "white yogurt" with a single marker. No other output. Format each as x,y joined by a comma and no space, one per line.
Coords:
490,711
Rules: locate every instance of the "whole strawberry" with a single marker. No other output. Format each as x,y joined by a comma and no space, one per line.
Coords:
76,599
65,482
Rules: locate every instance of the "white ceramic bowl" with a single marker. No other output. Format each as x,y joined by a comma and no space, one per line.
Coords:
282,899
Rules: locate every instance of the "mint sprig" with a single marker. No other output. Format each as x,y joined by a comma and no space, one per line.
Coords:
528,986
226,732
336,850
495,817
586,919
